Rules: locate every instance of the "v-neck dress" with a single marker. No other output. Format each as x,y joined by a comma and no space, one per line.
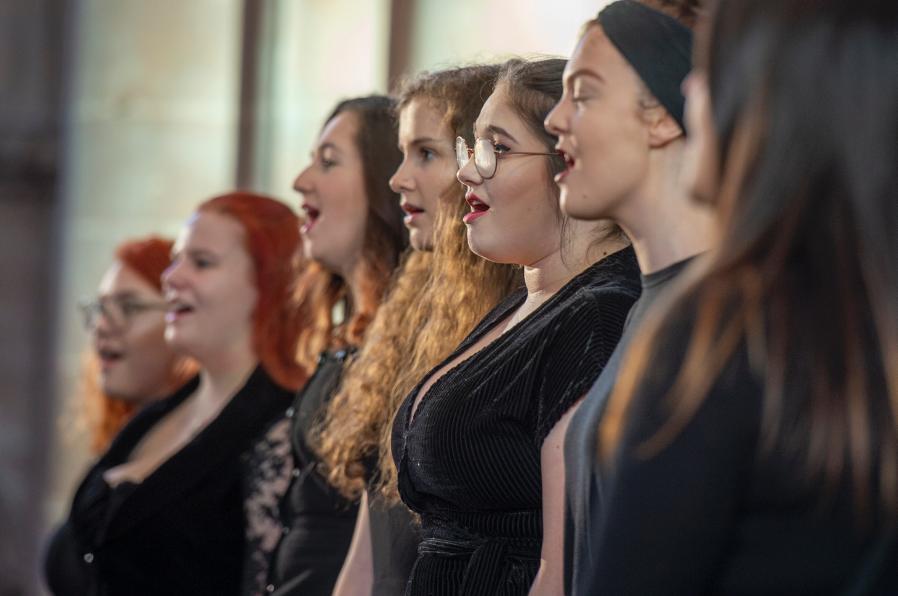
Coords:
469,459
181,531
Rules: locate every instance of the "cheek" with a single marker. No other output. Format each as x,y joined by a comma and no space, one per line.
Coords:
437,184
242,299
147,344
350,212
146,334
527,218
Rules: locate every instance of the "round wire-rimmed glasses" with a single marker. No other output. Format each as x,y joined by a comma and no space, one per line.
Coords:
118,310
486,158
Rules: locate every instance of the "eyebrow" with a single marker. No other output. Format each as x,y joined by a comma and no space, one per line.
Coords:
580,72
425,140
195,252
497,130
122,295
324,146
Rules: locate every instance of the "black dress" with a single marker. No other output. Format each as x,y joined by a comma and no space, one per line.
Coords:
317,521
469,461
713,514
181,531
583,486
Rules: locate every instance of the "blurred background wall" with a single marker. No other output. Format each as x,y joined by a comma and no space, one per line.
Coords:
118,116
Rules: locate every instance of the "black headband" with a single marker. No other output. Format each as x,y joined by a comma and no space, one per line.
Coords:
657,46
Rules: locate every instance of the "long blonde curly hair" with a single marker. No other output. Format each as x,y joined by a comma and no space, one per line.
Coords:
436,300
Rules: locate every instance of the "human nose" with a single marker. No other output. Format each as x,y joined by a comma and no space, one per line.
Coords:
303,182
556,121
468,174
99,322
400,181
173,276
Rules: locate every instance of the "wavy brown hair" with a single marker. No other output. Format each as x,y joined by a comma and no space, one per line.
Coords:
319,289
805,278
436,300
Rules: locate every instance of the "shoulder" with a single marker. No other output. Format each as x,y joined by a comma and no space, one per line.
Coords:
594,309
608,288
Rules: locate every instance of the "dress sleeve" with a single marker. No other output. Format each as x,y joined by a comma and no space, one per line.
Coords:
575,352
668,517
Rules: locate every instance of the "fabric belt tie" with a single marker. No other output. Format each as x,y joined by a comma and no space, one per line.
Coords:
483,574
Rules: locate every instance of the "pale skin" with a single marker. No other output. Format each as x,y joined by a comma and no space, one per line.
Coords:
334,184
547,268
427,169
211,271
632,150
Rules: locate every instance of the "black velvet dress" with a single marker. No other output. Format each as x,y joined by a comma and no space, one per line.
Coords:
469,460
179,532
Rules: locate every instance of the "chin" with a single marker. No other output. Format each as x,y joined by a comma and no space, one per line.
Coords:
177,341
490,250
418,241
121,394
581,207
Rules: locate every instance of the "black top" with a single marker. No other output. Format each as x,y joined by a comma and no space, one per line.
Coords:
181,530
395,535
317,521
469,461
583,494
711,514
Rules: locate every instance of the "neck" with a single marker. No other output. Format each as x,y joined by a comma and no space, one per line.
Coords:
546,276
224,374
552,272
352,279
664,224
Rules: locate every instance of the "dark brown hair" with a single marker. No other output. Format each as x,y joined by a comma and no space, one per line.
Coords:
385,237
805,278
534,87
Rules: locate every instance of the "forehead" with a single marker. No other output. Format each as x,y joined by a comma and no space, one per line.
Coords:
422,118
120,278
340,131
210,231
498,111
596,55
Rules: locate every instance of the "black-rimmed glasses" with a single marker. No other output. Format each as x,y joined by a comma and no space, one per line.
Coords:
486,158
118,310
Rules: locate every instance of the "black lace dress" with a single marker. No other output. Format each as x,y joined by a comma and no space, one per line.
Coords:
469,460
316,521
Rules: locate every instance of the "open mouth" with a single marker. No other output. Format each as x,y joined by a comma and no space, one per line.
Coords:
311,216
569,162
478,208
411,211
177,310
108,356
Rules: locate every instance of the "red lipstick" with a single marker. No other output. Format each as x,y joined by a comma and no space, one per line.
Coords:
478,208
